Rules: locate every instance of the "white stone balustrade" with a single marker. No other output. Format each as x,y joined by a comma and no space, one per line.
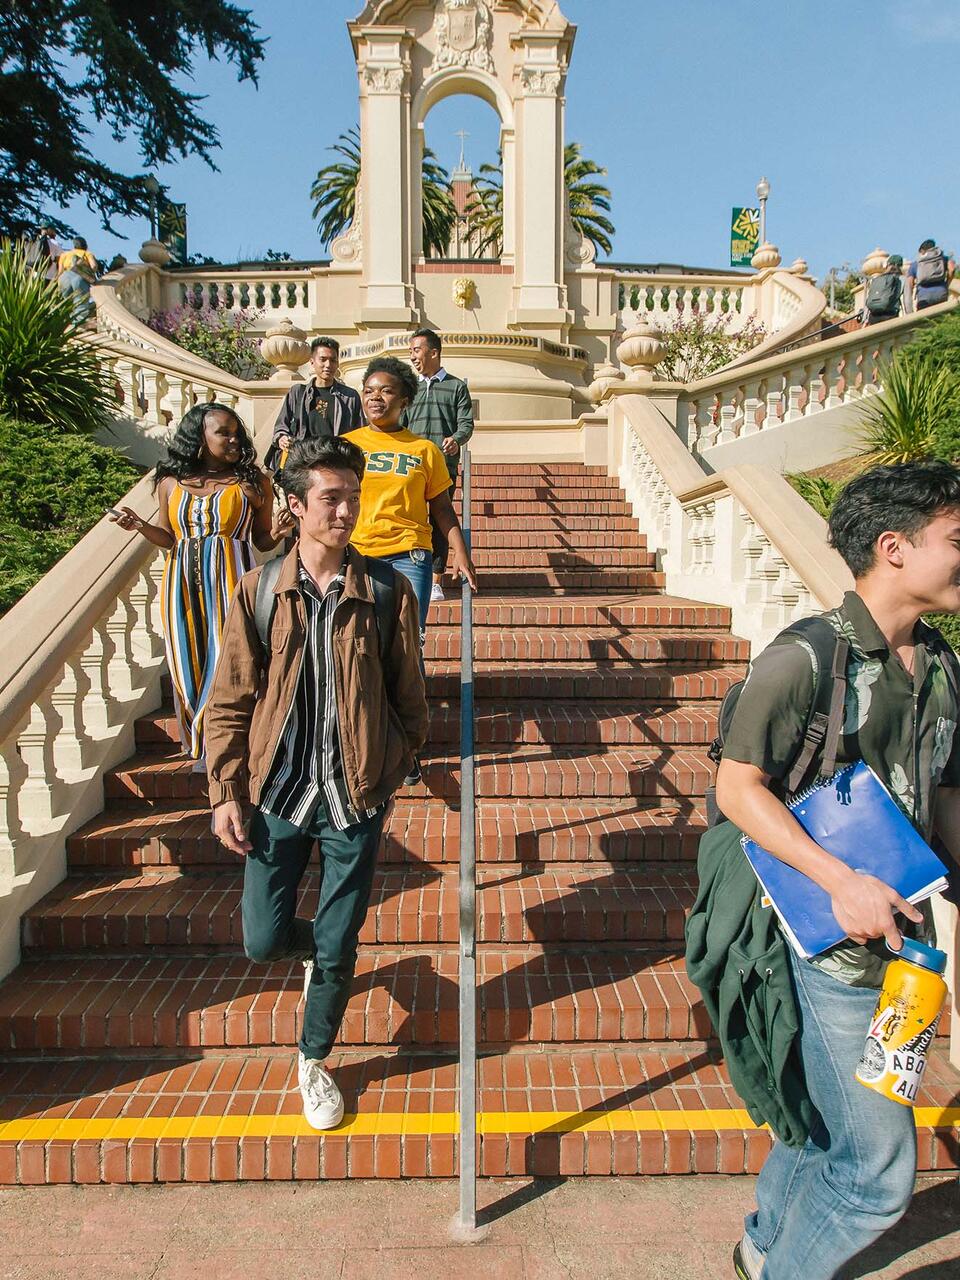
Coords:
753,397
742,538
277,293
69,700
663,299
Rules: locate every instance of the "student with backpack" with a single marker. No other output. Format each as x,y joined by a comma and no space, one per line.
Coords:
884,292
315,716
842,1169
930,276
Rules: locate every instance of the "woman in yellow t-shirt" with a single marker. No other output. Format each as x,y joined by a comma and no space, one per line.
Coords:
406,483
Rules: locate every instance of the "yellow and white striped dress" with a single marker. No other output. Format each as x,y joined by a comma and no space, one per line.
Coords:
211,553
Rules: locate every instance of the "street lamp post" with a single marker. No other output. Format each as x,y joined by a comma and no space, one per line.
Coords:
153,190
763,190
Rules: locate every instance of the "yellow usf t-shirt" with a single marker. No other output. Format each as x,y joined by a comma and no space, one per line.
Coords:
404,473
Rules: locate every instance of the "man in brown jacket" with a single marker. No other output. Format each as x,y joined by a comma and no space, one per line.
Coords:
315,726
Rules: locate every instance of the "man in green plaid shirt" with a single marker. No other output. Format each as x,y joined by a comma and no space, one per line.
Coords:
442,412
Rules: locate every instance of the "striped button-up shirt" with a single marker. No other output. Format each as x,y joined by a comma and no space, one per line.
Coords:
308,765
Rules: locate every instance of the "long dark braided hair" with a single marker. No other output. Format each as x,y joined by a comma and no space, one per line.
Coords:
186,448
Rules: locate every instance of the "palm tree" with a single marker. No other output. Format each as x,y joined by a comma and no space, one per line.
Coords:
334,192
587,201
485,211
334,189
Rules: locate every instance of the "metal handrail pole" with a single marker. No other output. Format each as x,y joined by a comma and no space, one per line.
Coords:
468,896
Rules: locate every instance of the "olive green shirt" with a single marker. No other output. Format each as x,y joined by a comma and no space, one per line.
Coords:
901,726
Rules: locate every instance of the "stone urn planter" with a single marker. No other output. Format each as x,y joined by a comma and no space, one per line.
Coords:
286,348
641,349
155,253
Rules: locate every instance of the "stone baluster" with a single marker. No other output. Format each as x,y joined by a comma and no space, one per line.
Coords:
795,393
179,397
752,408
818,391
728,417
832,378
73,740
852,388
38,807
128,375
13,774
154,385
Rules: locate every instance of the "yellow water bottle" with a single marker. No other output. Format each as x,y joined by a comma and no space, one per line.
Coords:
905,1023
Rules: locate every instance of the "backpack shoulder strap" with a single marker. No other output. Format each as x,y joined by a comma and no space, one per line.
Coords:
825,722
383,579
265,601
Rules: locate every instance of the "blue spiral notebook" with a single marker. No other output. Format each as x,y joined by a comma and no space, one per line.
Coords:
854,817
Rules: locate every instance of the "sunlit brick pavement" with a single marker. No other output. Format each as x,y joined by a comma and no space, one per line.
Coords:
641,1228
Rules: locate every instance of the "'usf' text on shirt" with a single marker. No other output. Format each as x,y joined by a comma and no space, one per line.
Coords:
400,463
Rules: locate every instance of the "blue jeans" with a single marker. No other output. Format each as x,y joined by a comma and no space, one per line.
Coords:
819,1205
417,567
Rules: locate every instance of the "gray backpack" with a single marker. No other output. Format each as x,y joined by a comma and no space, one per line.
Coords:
932,269
883,294
383,579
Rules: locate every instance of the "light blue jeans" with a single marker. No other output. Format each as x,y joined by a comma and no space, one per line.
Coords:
417,567
819,1205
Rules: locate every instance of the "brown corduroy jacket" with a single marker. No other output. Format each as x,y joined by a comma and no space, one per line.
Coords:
381,707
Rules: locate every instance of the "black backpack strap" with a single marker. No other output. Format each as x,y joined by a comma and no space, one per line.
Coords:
383,579
821,740
266,601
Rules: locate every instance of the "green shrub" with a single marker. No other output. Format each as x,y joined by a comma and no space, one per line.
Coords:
818,491
903,423
48,373
56,487
937,346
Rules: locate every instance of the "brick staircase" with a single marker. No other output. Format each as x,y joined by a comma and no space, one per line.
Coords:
140,1045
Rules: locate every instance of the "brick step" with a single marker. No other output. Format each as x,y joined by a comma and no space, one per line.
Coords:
553,723
623,682
563,581
234,1116
417,905
617,831
507,479
537,469
533,609
581,541
518,502
563,559
525,772
533,522
400,995
543,493
598,644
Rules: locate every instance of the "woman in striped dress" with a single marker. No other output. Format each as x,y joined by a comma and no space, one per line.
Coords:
214,502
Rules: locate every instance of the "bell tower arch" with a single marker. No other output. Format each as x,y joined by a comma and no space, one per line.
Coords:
410,55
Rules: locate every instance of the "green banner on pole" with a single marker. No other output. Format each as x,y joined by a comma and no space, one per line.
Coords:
744,236
172,228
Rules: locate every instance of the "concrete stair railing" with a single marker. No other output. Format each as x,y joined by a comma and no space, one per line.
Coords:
81,656
768,397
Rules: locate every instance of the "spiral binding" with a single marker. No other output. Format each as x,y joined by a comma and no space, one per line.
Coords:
820,783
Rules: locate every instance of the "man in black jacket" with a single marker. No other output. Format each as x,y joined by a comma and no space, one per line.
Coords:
321,407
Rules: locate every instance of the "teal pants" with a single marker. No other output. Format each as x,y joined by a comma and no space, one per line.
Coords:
271,930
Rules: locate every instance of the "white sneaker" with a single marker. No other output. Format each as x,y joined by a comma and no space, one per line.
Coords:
748,1260
307,977
436,593
322,1100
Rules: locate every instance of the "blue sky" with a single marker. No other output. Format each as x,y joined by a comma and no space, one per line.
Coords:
848,107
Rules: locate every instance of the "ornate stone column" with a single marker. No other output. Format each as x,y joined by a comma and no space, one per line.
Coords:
385,145
540,296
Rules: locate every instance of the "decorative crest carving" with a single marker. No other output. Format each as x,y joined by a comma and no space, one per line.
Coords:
464,33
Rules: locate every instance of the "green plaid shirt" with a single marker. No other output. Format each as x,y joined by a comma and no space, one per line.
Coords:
442,410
